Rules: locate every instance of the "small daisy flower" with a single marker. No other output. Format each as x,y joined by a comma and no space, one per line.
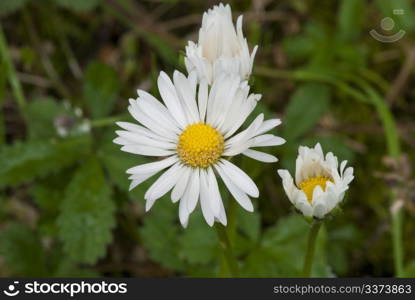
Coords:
194,131
319,186
221,47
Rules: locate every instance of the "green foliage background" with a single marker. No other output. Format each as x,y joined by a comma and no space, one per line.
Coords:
67,70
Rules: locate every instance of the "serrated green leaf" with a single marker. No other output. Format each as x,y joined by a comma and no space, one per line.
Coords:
10,6
100,89
23,162
22,251
48,194
282,249
160,234
305,108
68,269
116,163
193,248
87,214
42,113
78,5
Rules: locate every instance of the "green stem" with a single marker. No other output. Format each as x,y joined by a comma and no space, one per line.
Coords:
307,75
397,221
311,246
394,151
228,254
11,73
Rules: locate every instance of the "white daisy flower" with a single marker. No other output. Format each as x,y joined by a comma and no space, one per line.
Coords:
194,130
319,186
221,47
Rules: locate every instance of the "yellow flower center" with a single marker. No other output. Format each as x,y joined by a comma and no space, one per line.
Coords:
200,145
308,185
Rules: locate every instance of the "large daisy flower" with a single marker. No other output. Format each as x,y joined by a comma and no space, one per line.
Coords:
221,47
194,131
319,186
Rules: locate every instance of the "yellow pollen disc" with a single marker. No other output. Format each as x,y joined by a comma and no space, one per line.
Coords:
308,185
200,145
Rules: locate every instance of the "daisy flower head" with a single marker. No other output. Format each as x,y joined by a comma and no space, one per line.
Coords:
193,130
319,184
221,47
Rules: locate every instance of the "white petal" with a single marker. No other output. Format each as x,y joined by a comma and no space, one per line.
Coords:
193,190
319,150
147,151
186,90
288,184
153,166
204,199
148,122
245,135
319,204
183,212
134,128
238,194
137,138
342,166
214,194
260,156
171,99
239,178
267,140
181,185
268,125
139,178
157,110
163,185
202,99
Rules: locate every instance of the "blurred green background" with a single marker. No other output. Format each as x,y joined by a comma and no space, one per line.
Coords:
67,69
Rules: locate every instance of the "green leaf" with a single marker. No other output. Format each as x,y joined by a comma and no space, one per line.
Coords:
116,163
342,241
78,5
10,6
282,249
87,214
160,234
23,162
48,194
195,249
22,251
305,108
42,114
100,89
249,223
350,18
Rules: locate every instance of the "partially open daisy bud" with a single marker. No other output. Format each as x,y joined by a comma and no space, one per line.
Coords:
319,185
221,48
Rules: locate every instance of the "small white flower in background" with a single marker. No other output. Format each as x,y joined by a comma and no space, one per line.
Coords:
193,131
319,186
221,48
